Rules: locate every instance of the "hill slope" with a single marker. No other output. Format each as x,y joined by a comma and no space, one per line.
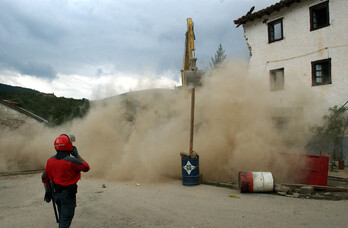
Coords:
15,89
56,110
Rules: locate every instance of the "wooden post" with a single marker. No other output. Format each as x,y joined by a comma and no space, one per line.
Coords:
192,119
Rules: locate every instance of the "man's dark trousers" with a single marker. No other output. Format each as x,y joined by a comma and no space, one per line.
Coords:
66,203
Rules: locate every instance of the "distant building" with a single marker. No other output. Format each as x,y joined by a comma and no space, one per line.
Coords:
300,43
48,94
12,116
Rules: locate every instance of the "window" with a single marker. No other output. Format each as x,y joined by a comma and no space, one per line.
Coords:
319,15
321,72
275,30
276,79
280,122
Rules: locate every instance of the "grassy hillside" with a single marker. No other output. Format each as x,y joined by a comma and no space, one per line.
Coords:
16,89
56,110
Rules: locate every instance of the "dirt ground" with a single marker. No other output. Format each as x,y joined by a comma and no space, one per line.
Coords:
166,204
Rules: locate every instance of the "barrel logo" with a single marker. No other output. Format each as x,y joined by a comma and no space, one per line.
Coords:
189,167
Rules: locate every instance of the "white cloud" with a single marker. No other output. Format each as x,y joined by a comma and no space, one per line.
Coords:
111,85
16,79
90,49
78,87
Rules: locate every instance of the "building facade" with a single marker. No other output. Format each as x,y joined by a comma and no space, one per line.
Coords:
301,46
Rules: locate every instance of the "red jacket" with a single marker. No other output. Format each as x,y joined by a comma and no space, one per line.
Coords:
65,171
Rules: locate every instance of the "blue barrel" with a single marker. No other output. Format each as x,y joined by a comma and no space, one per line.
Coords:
190,170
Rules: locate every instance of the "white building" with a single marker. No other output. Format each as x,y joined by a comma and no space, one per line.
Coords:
301,46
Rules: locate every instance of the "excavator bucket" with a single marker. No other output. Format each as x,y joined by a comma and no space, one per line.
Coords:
193,76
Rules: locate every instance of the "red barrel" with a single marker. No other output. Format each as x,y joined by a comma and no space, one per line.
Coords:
255,182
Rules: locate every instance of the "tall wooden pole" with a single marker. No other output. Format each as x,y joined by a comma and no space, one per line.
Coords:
192,119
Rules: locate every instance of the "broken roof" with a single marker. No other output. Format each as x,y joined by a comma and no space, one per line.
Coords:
267,11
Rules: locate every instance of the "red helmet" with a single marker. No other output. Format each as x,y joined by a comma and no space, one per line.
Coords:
63,143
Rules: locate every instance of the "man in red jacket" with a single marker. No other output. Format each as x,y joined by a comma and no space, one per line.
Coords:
62,172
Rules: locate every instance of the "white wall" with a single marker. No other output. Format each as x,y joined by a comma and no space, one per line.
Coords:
297,50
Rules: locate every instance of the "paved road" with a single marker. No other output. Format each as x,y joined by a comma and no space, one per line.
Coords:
166,204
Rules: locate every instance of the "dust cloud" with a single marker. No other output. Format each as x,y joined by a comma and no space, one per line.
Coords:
139,135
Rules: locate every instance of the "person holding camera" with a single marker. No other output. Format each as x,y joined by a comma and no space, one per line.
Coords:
62,172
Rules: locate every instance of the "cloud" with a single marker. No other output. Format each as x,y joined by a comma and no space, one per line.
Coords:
111,85
16,79
38,69
79,87
32,68
67,37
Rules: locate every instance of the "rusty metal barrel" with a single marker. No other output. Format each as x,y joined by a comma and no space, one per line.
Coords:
255,182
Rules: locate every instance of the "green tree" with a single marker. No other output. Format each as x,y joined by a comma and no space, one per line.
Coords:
336,124
219,58
56,110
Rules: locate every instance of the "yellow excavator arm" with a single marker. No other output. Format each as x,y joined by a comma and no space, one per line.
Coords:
189,72
189,45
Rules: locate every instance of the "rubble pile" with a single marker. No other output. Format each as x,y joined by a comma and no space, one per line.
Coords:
309,192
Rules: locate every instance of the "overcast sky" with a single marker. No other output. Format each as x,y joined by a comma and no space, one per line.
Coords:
95,49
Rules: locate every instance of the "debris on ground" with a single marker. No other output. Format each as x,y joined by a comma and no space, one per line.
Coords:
312,192
282,193
307,190
234,196
281,188
337,189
